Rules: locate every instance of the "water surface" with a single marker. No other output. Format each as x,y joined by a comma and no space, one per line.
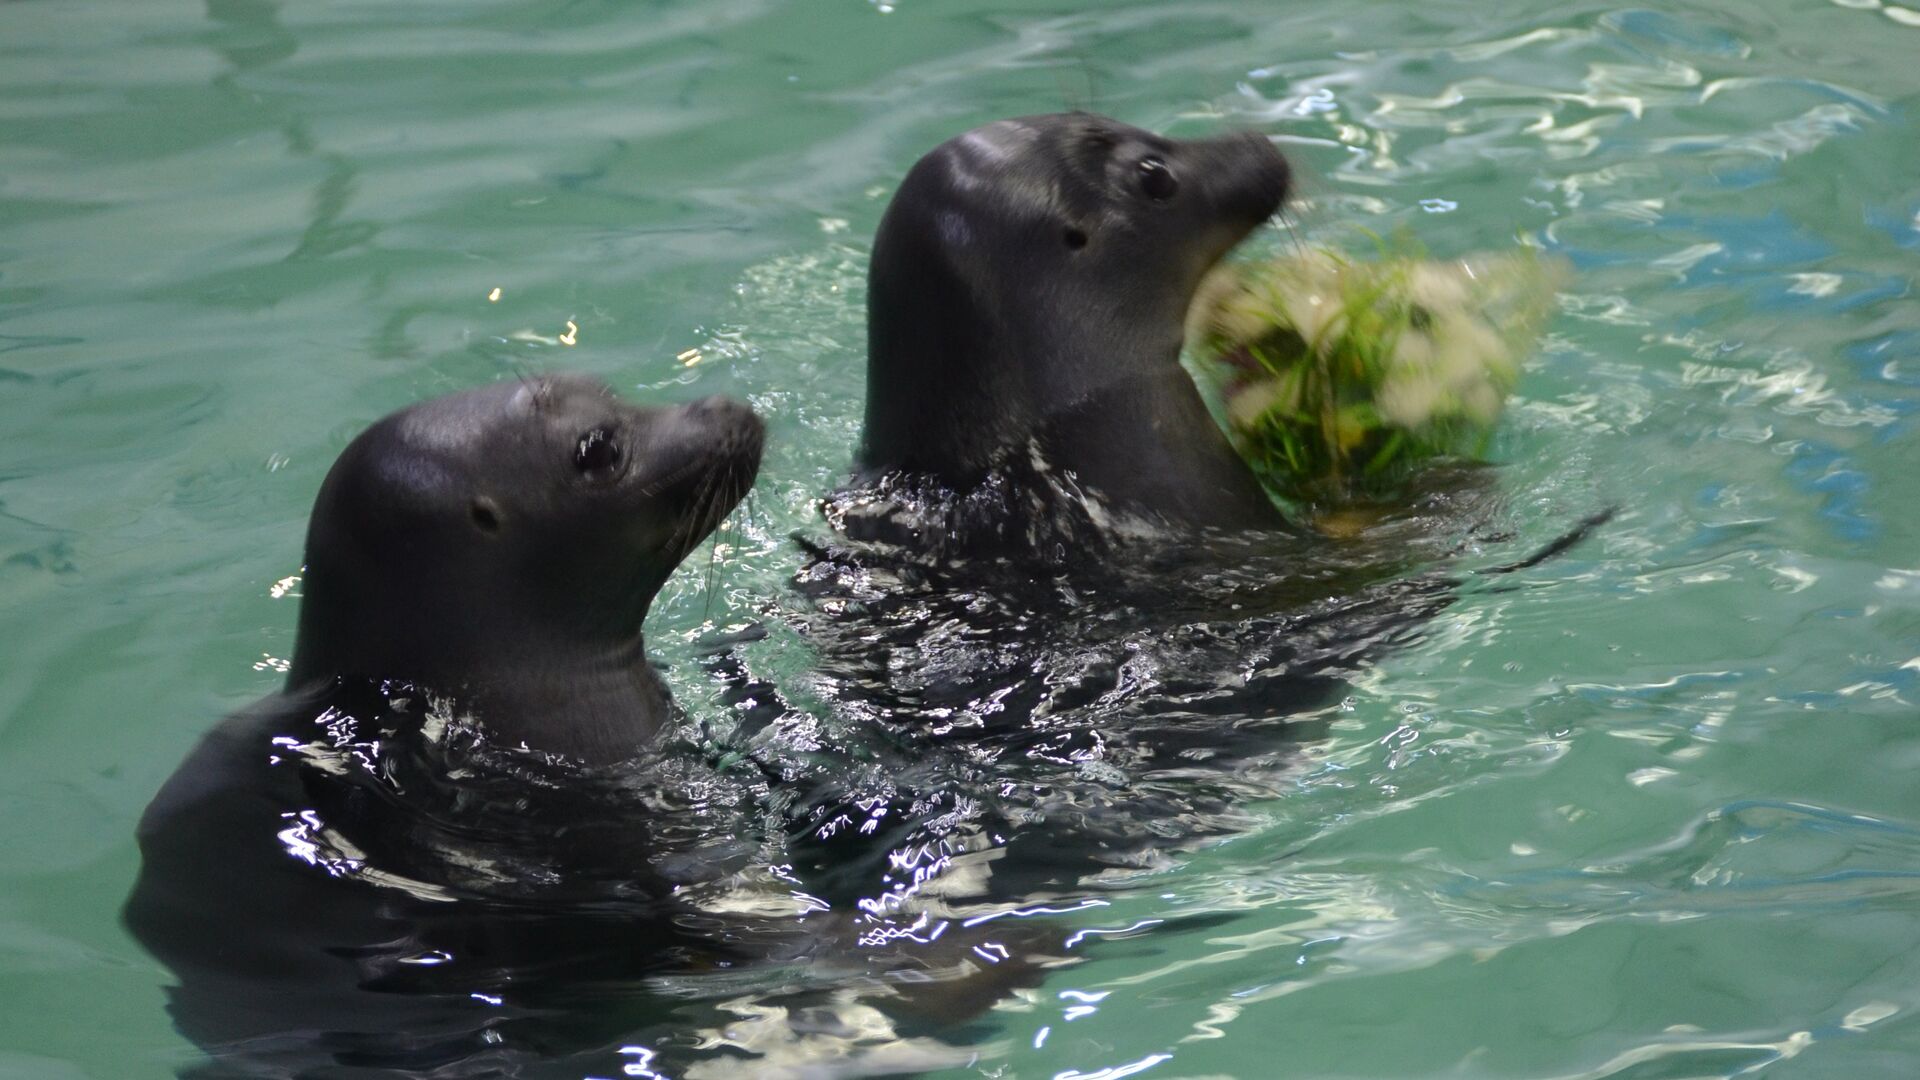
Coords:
1646,813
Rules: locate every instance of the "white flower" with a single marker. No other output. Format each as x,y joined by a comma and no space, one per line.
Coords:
1224,305
1466,347
1414,351
1408,399
1245,408
1439,287
1310,315
1481,403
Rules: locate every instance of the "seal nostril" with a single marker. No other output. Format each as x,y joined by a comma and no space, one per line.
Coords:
1075,238
485,514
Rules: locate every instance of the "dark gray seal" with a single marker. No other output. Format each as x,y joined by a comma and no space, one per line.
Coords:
421,852
1026,306
504,545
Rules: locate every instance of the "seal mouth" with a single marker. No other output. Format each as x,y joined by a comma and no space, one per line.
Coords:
708,487
1255,182
1259,188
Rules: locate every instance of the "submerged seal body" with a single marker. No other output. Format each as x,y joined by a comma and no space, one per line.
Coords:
1026,307
347,871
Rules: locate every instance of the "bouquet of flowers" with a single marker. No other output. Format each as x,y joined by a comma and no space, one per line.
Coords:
1341,376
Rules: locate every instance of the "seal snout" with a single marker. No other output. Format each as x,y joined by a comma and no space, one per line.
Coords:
1255,179
1275,175
704,456
738,431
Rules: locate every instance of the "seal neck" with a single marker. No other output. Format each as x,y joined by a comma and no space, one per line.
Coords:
1094,396
968,376
553,689
1147,442
600,713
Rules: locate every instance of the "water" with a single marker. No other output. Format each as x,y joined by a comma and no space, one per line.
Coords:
1645,813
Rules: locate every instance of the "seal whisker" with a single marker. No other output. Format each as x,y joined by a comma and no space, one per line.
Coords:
730,496
734,489
687,530
1084,98
529,381
1286,222
713,562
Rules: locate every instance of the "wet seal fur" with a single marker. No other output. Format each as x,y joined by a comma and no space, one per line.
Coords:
415,812
1026,308
503,545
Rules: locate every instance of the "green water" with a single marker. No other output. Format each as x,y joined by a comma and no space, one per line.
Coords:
1650,813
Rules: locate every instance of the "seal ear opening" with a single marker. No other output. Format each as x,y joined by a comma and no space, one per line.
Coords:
1075,238
486,514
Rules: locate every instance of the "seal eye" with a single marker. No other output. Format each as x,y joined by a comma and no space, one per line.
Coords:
1157,180
597,453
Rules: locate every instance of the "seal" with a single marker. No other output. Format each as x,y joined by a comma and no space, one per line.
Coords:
1026,308
503,545
442,801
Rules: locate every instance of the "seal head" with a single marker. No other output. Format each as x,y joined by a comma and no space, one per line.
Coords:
503,546
1026,305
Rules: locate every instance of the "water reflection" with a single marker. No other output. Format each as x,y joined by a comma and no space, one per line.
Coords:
251,38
